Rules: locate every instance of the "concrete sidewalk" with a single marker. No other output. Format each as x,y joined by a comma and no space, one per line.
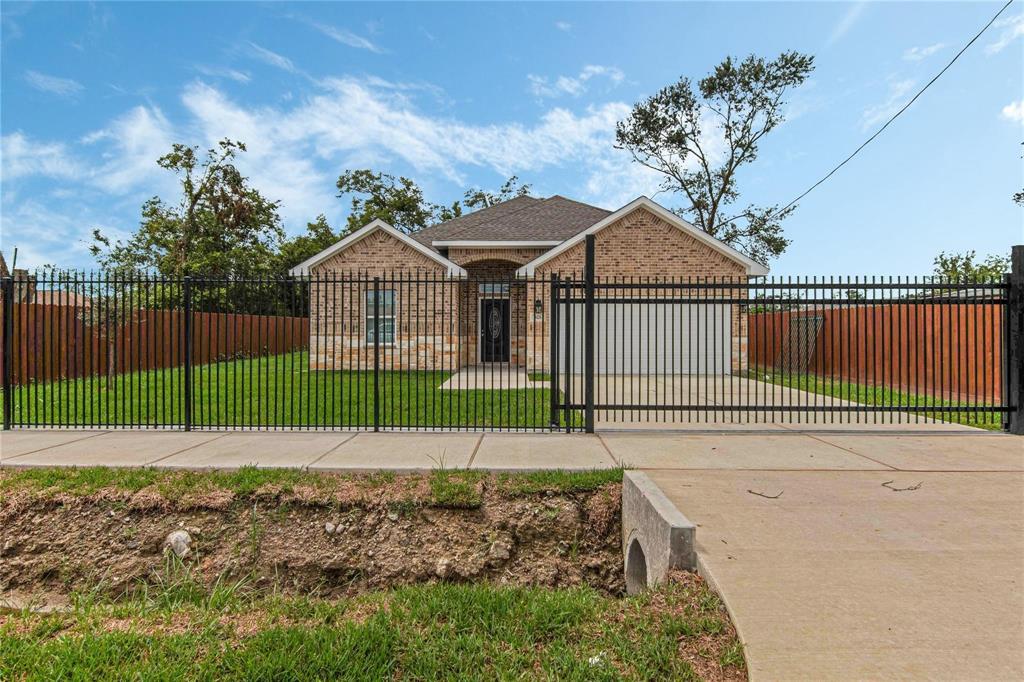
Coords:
330,451
753,449
840,577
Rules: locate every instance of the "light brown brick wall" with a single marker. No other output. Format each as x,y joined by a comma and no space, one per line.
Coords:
518,256
437,323
426,305
643,247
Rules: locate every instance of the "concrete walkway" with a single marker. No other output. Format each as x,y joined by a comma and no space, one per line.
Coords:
840,577
331,451
744,446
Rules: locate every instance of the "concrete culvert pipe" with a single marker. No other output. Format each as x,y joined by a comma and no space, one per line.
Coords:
636,568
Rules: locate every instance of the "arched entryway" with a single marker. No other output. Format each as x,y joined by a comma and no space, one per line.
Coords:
495,299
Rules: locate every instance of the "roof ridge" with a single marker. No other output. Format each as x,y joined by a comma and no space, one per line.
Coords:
576,201
468,227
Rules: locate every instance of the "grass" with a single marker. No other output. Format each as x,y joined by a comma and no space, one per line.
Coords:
276,390
534,482
866,394
452,488
180,630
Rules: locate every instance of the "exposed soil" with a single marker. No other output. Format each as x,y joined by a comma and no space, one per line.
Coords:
385,534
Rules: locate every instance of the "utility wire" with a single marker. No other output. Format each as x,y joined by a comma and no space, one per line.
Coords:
904,108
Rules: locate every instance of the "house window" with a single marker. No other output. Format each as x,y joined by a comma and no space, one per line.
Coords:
386,322
495,288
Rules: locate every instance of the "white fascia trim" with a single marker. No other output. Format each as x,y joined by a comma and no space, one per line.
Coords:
753,267
484,244
303,267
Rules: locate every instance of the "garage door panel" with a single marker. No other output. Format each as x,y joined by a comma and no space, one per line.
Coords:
650,338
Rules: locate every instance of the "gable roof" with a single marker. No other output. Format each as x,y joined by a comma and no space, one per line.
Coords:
303,267
523,219
752,266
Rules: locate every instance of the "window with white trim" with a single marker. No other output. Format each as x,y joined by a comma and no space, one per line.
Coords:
386,312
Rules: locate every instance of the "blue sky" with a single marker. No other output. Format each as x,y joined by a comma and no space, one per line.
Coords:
460,95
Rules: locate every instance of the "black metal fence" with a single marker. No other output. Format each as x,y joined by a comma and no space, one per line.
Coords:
398,351
650,353
428,352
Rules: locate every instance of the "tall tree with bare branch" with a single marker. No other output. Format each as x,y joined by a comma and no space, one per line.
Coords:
679,131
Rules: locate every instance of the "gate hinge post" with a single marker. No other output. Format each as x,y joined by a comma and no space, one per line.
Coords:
1015,342
588,339
7,292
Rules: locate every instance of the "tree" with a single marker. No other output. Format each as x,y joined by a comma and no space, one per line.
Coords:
479,198
677,131
219,226
957,267
318,237
400,202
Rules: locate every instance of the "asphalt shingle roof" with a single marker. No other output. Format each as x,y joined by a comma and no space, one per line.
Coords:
521,219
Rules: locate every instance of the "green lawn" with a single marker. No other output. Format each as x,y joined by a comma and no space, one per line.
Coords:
882,395
277,390
179,630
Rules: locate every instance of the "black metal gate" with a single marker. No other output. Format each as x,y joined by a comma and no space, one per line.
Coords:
648,352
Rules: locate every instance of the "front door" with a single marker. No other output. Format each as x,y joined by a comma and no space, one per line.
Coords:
495,319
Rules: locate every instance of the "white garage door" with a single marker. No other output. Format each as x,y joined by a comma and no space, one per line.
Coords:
651,338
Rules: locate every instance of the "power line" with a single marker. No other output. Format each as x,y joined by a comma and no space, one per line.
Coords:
904,108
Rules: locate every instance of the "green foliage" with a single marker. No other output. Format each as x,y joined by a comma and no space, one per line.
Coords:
219,225
963,267
676,132
397,201
556,481
512,189
425,632
456,489
288,394
400,202
294,250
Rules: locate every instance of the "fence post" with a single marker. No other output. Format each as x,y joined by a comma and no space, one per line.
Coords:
1015,341
588,336
186,291
8,340
553,350
376,353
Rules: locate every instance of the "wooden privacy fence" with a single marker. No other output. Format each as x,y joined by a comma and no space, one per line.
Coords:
951,352
54,342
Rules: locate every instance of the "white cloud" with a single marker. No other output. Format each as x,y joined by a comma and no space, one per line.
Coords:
296,150
563,26
64,87
846,22
916,54
224,72
273,58
346,37
134,141
1014,111
541,86
1012,28
21,156
57,233
898,92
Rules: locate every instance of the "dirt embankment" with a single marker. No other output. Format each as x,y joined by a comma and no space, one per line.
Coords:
329,536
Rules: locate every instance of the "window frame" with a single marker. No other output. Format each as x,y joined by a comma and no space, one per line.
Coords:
370,332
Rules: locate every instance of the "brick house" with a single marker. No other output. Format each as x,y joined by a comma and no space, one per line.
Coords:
476,289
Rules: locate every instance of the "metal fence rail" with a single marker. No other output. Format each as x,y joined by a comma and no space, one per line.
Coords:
728,350
421,351
843,349
393,352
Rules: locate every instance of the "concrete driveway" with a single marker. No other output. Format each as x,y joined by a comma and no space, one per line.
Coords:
902,557
781,405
